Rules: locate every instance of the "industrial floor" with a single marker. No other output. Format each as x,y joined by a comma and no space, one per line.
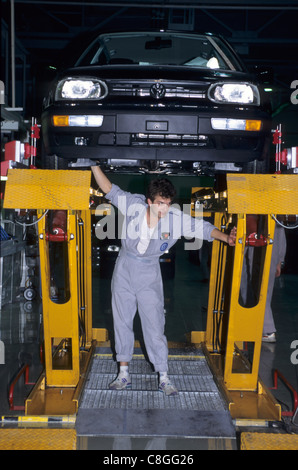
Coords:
185,307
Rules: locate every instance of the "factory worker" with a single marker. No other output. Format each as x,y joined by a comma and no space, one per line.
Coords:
151,226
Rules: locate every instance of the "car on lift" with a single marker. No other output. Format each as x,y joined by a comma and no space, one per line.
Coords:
164,102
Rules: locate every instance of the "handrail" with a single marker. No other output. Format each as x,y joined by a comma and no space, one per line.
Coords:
277,374
24,370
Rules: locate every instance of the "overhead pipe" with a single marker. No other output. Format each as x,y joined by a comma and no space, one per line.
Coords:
162,4
12,48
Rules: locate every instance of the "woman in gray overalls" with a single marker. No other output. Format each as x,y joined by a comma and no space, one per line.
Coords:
150,227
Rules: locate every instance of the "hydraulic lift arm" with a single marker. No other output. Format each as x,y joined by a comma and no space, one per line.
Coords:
61,198
231,326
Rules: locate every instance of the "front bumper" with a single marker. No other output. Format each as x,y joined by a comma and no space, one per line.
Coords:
161,136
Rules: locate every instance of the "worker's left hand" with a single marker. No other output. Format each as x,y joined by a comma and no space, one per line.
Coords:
232,237
278,270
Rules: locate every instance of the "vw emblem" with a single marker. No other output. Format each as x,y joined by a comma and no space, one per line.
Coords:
158,91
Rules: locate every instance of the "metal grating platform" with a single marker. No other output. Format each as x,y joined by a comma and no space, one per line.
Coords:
198,411
192,377
37,439
267,441
143,400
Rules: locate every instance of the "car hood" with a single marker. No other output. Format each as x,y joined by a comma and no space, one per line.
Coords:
157,73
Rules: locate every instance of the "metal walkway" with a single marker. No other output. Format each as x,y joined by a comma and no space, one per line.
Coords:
197,417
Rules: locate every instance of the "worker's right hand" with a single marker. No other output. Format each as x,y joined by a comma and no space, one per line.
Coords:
232,237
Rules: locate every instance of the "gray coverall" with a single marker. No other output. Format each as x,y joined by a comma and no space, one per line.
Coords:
137,282
278,255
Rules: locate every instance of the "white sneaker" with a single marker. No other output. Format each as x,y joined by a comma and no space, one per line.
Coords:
122,382
168,388
270,338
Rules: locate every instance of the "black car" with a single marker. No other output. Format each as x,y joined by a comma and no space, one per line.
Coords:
160,101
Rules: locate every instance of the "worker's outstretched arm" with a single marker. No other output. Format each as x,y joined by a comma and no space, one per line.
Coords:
224,237
103,182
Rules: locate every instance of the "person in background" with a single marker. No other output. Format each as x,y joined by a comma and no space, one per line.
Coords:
278,255
248,296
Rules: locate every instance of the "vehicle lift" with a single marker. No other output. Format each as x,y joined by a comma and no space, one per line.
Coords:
70,340
233,330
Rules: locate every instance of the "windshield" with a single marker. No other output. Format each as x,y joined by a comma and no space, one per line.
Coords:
159,49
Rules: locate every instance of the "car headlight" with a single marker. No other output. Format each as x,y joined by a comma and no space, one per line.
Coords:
238,93
225,124
77,120
81,89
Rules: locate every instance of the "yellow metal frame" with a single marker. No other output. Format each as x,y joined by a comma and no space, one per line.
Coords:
248,398
219,252
58,388
262,194
47,189
246,324
85,272
60,321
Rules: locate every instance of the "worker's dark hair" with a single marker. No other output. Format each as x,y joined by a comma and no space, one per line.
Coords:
161,187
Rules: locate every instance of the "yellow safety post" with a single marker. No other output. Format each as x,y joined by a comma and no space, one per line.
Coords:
60,320
214,327
85,271
67,324
246,324
231,327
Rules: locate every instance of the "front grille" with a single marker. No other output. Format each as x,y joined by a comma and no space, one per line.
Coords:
144,90
174,140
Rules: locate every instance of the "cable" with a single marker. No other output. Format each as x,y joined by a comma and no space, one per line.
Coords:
82,308
32,223
282,225
218,312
